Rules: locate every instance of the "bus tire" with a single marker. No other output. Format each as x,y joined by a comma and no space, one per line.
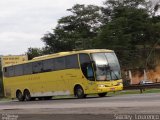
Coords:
102,94
19,95
27,95
79,92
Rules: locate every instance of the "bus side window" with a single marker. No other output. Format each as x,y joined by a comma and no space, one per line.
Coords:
86,66
11,71
27,69
72,62
48,65
37,67
60,63
18,70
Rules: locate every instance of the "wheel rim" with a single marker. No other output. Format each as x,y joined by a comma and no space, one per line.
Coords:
20,96
79,92
27,96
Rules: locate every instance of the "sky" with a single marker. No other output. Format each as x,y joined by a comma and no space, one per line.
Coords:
24,22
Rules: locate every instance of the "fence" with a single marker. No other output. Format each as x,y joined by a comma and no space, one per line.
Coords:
142,87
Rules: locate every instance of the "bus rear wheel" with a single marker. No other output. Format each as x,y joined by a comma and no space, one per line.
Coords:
79,92
102,94
27,95
19,95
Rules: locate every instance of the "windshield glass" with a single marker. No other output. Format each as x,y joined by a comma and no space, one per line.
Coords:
107,66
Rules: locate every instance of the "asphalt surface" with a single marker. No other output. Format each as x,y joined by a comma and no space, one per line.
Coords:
91,108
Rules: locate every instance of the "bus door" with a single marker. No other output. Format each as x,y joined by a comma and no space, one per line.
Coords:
87,72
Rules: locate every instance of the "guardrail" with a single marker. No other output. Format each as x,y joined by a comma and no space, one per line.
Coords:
142,87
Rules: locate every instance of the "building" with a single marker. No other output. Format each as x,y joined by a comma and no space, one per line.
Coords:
9,60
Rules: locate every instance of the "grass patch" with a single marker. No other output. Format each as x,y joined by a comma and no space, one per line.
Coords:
152,91
123,92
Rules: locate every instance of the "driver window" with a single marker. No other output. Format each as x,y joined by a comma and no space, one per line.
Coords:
86,66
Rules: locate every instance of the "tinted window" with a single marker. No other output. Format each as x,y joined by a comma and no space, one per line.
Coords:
86,66
48,65
72,61
27,68
11,71
59,63
18,70
37,67
84,58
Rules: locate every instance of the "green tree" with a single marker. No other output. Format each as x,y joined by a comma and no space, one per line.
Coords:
130,27
126,29
53,43
76,30
34,52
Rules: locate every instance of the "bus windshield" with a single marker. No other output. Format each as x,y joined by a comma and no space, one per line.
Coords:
107,66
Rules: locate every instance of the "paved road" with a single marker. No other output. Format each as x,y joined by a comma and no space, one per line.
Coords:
90,108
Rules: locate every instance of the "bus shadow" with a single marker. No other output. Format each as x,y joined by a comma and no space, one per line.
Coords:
66,98
74,98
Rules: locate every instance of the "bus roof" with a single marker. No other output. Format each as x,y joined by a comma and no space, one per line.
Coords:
61,54
72,52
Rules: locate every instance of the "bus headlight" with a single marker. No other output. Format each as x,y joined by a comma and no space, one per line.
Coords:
101,85
119,83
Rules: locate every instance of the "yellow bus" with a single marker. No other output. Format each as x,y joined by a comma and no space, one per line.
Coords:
78,73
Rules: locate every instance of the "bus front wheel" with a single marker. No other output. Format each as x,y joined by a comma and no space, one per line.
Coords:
79,92
19,95
27,95
102,94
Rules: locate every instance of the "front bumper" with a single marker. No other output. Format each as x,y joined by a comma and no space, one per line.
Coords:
109,89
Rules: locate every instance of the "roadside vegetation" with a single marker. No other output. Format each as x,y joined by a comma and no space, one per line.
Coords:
126,92
130,27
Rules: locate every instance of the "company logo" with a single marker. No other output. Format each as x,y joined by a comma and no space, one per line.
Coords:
9,117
